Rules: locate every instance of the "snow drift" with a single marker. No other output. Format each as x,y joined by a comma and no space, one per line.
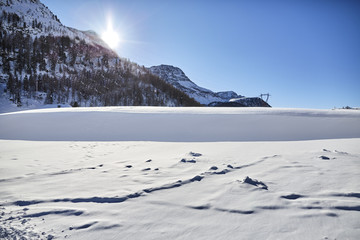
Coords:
179,124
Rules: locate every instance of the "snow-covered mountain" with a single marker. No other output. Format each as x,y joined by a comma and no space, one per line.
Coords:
176,77
44,62
37,20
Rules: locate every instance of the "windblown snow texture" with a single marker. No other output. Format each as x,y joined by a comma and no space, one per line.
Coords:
127,188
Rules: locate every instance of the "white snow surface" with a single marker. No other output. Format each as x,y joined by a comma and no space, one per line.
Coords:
179,124
180,173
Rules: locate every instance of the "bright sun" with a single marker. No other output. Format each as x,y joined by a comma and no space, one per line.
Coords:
110,36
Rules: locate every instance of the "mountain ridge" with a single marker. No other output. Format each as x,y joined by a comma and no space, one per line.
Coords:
39,21
45,62
176,77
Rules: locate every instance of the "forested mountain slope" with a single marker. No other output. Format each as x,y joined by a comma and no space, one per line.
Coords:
45,62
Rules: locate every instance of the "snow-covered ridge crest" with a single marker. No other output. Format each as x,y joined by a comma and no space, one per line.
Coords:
178,79
38,20
295,112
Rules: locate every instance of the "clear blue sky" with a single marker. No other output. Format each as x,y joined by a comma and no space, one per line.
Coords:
305,53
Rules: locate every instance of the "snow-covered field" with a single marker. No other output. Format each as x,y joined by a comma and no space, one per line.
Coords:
180,173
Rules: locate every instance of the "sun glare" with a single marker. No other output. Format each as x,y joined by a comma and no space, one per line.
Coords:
110,36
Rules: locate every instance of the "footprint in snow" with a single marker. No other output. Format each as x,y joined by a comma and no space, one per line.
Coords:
87,225
195,154
214,168
292,196
187,161
340,152
256,183
224,171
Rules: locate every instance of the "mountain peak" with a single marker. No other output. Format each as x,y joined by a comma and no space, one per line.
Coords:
33,18
30,10
176,77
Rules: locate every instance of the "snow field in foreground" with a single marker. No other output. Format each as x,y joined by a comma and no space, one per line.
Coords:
188,185
158,190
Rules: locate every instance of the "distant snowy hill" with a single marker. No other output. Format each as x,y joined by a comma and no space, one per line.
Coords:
176,77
